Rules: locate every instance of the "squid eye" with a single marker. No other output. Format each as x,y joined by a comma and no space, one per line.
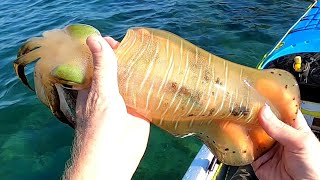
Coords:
69,73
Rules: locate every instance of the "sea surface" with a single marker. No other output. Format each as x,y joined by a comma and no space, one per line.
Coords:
35,145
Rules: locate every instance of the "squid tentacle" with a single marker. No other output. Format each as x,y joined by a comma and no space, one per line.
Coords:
22,61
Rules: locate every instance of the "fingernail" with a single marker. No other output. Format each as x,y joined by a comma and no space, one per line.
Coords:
267,113
97,44
97,41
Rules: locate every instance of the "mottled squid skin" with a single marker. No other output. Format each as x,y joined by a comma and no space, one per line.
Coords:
174,84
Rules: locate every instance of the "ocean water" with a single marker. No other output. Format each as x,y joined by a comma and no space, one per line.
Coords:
35,145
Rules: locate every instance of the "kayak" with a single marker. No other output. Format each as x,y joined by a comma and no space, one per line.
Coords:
297,52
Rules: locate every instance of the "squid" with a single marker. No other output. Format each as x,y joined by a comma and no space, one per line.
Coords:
174,84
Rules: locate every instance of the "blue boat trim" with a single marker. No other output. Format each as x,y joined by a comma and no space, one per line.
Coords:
301,37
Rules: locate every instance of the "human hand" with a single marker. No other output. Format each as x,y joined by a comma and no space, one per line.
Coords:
296,153
109,142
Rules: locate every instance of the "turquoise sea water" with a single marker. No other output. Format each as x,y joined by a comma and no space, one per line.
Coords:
34,145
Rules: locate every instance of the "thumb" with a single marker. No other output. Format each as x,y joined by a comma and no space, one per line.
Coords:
104,64
281,132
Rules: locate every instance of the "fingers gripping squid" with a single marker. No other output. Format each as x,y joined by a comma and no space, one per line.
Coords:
176,85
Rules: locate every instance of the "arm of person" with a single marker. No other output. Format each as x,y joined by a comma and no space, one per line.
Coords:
109,143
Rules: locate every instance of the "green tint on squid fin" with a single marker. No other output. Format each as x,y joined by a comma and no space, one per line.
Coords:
81,31
69,73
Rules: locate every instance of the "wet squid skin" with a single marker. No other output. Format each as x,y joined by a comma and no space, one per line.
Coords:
186,90
181,88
